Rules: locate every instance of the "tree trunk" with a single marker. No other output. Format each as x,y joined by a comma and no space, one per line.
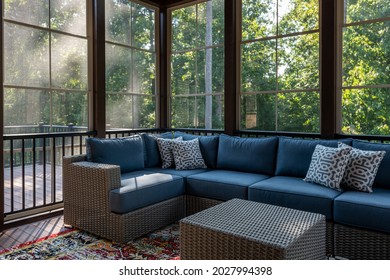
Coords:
208,71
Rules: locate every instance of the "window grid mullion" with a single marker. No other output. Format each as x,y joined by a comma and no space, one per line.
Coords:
11,21
281,36
365,22
277,37
277,65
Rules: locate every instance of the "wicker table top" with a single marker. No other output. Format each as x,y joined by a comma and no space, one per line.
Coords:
247,219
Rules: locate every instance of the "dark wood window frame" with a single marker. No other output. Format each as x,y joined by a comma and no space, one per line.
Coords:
327,80
327,67
97,116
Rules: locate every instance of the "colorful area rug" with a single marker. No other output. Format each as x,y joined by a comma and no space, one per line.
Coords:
162,244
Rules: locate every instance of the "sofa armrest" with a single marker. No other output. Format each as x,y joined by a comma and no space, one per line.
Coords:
88,184
75,158
109,175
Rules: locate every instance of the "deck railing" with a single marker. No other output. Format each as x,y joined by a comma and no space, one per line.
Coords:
33,161
32,169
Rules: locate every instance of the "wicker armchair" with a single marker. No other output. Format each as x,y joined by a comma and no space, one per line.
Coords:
86,187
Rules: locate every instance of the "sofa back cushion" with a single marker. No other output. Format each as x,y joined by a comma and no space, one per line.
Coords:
208,148
382,179
126,152
294,155
257,155
151,153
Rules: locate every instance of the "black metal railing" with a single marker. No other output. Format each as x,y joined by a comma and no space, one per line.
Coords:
372,138
115,133
196,131
257,133
42,128
33,169
385,139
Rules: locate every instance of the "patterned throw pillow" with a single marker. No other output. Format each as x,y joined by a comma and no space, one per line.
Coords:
165,148
327,166
187,155
361,169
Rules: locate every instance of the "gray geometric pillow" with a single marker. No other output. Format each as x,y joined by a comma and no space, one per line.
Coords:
327,166
361,169
187,155
165,148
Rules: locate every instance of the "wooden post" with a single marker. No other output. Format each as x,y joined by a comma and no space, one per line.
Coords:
163,85
230,67
1,126
328,68
98,102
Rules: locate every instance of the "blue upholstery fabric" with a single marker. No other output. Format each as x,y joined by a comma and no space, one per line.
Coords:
382,179
181,173
294,193
208,147
172,134
222,184
151,151
127,152
142,188
294,155
366,210
247,154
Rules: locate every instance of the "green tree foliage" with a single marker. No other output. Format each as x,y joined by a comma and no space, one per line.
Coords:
130,65
271,64
40,58
197,66
292,63
366,62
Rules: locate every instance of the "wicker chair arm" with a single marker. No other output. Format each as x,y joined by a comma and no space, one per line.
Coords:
75,158
88,184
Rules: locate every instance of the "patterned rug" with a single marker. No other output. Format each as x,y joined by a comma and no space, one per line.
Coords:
162,244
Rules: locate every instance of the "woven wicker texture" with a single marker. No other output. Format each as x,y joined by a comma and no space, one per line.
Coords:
360,244
86,188
240,229
196,204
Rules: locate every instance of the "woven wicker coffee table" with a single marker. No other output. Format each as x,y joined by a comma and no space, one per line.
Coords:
241,229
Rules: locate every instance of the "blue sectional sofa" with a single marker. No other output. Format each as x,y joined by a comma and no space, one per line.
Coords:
119,190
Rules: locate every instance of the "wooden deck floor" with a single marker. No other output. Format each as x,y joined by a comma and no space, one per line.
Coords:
24,192
20,195
29,232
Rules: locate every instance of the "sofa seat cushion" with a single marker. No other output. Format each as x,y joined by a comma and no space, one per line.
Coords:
181,173
366,210
294,193
222,184
144,188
